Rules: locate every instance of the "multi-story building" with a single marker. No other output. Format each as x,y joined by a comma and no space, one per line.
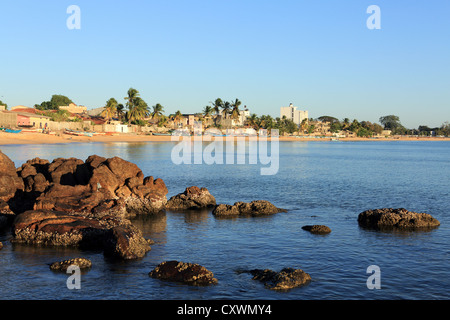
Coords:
293,114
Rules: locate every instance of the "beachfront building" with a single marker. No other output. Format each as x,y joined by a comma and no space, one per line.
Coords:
293,114
243,115
73,108
8,119
32,120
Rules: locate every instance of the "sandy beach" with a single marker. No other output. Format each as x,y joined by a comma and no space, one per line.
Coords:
40,138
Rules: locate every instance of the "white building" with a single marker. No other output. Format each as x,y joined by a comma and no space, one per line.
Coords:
293,114
243,115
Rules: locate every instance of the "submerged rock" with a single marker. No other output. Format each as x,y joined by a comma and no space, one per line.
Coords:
189,273
117,237
254,208
82,263
287,278
192,198
388,218
317,229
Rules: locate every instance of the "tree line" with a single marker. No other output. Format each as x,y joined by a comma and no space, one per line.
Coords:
134,110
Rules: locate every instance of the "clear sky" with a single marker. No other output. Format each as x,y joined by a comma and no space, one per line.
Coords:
319,55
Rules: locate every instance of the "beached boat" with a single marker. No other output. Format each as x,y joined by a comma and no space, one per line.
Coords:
78,133
161,134
13,131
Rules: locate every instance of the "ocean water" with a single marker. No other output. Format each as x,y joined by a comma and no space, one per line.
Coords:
317,182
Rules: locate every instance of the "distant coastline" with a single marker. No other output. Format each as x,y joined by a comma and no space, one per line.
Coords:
40,138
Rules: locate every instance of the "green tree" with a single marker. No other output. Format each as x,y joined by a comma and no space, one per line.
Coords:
158,111
110,109
120,111
137,107
217,105
3,104
55,102
59,100
328,119
390,122
235,111
207,111
178,117
226,107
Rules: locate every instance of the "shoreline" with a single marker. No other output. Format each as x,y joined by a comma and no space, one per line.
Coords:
40,138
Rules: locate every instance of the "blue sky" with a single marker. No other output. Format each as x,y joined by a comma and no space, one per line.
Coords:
318,55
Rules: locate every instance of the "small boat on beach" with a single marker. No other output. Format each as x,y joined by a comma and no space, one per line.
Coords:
78,133
161,134
13,131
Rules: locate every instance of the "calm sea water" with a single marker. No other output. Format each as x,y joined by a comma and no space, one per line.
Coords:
318,182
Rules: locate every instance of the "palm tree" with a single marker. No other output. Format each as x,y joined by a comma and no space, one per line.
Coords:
162,121
120,111
235,112
252,121
217,105
207,111
137,108
157,111
226,107
139,111
110,109
178,116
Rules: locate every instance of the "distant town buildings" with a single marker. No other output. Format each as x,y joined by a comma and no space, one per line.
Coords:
293,114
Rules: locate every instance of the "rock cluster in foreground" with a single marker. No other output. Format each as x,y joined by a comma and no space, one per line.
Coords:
388,218
189,273
95,187
254,208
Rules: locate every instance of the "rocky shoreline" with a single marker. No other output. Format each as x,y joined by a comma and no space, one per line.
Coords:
88,204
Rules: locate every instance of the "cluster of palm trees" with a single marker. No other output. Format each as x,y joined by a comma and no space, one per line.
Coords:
226,108
134,111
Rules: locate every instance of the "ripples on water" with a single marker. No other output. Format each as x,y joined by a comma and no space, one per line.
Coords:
319,183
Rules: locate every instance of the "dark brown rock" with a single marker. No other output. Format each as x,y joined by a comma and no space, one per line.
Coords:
317,229
189,273
10,183
117,237
286,279
388,218
98,187
254,208
192,198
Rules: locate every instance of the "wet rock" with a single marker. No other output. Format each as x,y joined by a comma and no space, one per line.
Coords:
388,218
189,273
10,183
286,279
317,229
82,263
117,237
254,208
192,198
